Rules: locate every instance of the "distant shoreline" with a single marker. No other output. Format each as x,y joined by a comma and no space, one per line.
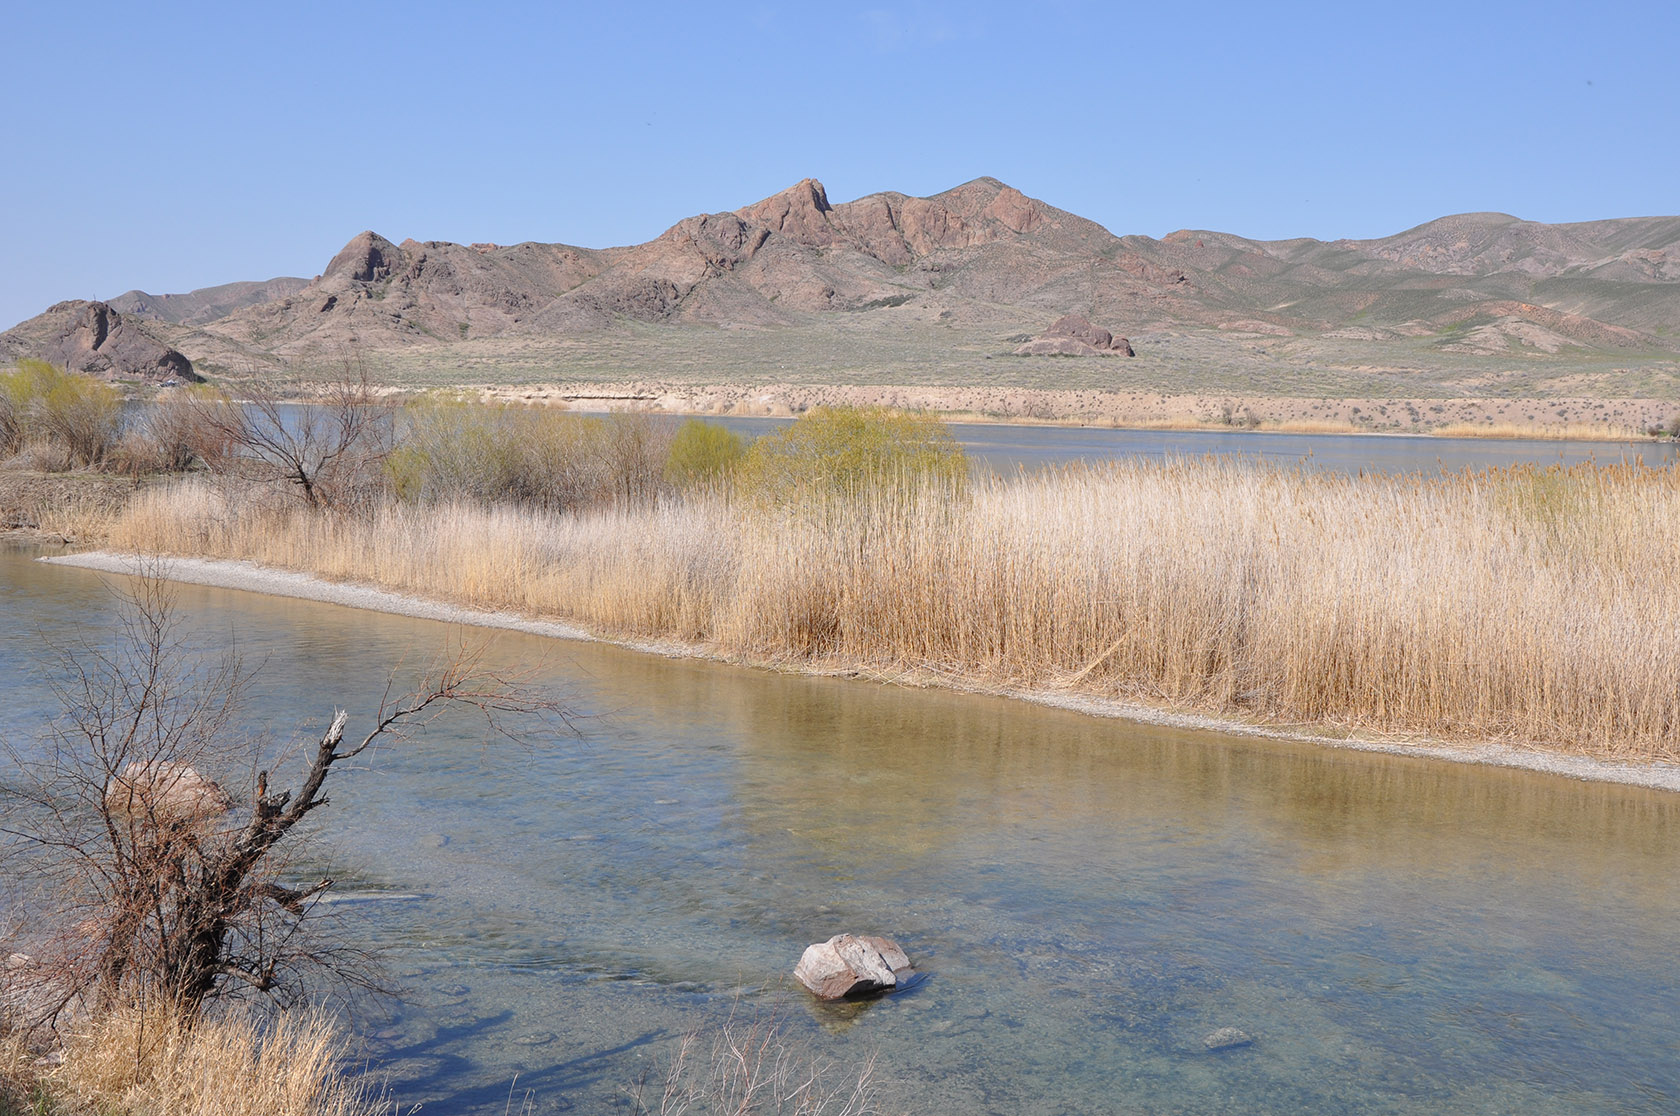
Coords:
251,577
1559,419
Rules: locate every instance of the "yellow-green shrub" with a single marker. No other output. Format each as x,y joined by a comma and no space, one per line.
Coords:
703,453
849,450
78,415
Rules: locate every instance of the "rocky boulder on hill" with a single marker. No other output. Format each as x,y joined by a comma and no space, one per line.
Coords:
1073,335
92,338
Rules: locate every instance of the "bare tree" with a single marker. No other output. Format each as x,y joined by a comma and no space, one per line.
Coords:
162,884
329,443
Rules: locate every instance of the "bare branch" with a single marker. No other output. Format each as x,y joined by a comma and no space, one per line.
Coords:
162,881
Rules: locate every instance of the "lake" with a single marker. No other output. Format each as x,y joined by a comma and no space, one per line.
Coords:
1005,448
1087,898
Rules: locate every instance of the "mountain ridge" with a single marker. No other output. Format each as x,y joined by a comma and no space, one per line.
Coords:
981,257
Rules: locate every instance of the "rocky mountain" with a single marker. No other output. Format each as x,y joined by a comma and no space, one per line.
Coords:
983,257
91,337
206,304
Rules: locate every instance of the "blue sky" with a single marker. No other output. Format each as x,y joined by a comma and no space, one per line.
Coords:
173,146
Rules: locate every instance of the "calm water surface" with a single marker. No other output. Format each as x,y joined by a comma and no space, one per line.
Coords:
1088,898
1006,449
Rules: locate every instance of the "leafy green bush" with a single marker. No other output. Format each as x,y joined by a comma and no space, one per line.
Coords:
851,450
702,453
78,416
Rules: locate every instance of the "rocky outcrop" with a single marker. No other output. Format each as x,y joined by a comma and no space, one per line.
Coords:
1073,335
92,338
849,965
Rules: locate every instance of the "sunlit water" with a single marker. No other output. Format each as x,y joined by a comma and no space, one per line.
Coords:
1087,898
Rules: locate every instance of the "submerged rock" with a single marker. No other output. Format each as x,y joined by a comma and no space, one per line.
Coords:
852,965
160,790
1227,1038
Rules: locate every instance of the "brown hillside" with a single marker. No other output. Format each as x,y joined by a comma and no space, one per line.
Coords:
983,261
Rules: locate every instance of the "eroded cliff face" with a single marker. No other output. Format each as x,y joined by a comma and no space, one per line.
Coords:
92,338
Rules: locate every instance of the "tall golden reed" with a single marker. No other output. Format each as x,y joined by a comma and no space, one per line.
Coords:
1529,606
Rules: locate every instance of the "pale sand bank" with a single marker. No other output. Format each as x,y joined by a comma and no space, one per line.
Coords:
251,577
1578,417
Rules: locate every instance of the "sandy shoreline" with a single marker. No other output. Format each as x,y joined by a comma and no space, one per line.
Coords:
1622,418
250,577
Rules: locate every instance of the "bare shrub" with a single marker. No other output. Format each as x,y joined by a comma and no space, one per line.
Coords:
43,455
451,449
183,429
156,849
329,446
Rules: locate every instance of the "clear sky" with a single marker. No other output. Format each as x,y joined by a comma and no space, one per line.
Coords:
168,146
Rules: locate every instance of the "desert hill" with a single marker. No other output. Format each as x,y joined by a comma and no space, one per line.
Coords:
983,262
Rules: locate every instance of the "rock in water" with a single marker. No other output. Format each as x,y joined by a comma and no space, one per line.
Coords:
1227,1038
851,965
161,791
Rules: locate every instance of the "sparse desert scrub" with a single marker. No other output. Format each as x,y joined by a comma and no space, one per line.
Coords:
1530,606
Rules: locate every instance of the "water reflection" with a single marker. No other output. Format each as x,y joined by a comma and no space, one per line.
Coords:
1088,899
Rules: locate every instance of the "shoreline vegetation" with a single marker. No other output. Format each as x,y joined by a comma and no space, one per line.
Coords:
1524,607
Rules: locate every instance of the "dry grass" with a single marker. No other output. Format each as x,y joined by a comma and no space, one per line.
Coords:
140,1063
1313,426
1530,606
77,505
750,1069
1558,432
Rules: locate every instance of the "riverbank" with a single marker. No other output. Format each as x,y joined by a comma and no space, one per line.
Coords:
252,577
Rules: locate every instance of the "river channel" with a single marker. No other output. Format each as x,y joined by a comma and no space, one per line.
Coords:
1087,898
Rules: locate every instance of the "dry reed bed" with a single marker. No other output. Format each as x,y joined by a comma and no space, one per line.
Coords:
1526,606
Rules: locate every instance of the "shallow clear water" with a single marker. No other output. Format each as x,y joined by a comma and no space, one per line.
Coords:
1088,898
